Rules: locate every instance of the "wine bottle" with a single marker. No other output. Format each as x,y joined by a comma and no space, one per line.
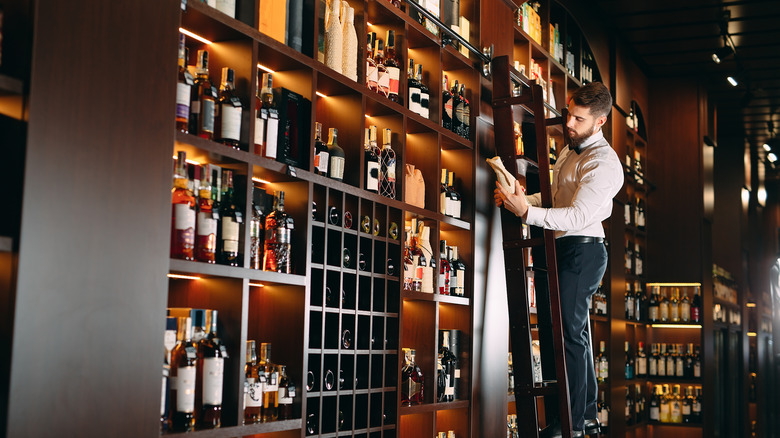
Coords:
229,111
412,384
425,94
184,358
203,105
278,237
350,43
446,100
334,37
387,167
413,87
211,372
382,79
454,202
393,66
464,113
321,155
231,217
267,120
207,220
457,274
183,217
456,106
253,387
371,67
444,268
183,89
336,157
371,159
286,394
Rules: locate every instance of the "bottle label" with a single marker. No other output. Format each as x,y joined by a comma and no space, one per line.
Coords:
459,112
285,397
685,312
676,411
641,366
169,340
425,99
227,7
185,389
414,100
653,367
697,370
229,234
638,264
231,122
321,162
254,394
655,413
336,167
207,119
670,367
183,91
184,217
383,82
195,107
371,75
259,130
207,225
653,313
271,136
675,313
390,170
686,409
448,109
394,76
272,382
213,375
604,417
697,407
372,176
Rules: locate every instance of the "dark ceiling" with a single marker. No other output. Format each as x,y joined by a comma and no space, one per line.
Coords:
678,37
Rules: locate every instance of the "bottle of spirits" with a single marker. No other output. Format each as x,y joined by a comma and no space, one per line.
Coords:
183,89
409,268
207,220
371,158
447,362
638,260
675,415
321,155
337,157
229,111
387,166
446,101
640,403
204,100
414,89
696,363
457,274
278,237
456,103
211,372
629,408
696,306
662,360
253,387
603,414
685,308
641,361
674,306
382,78
629,365
183,206
184,359
463,112
393,67
425,93
270,410
428,279
629,302
256,234
454,202
687,405
652,361
349,57
267,121
696,406
671,355
444,196
286,394
227,251
334,37
629,258
679,362
666,406
688,365
603,364
639,302
444,268
412,385
664,307
653,306
371,67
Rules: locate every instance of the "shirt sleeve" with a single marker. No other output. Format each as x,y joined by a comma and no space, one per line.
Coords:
600,180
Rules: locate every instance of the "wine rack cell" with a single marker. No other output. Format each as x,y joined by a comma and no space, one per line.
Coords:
332,332
315,329
421,151
341,107
419,332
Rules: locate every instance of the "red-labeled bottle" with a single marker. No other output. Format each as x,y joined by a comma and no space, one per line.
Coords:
183,213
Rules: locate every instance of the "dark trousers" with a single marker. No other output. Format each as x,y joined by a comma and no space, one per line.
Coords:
580,269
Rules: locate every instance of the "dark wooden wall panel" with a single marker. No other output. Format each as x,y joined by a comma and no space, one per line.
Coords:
91,293
729,215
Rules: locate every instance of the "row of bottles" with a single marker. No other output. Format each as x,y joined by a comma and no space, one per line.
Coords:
448,366
420,264
664,360
634,260
660,308
383,66
193,371
450,200
669,405
419,93
457,110
598,303
448,434
268,391
634,214
341,41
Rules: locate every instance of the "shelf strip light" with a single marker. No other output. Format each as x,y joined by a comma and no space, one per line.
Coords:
264,68
195,36
193,162
260,181
676,326
320,94
674,284
750,305
183,277
752,334
256,284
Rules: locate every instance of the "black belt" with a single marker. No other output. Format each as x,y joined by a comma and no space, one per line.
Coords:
571,240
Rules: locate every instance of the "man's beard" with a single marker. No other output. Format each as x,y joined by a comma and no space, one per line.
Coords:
578,137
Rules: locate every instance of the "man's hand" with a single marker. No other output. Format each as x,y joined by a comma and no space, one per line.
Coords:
514,202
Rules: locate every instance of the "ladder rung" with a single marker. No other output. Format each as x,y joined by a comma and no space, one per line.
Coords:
525,99
524,243
555,121
547,387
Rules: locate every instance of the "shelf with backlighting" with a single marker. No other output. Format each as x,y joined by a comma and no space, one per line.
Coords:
673,380
251,429
196,269
674,325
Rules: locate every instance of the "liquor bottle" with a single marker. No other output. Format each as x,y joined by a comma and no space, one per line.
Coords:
256,235
337,157
446,101
602,364
655,404
382,78
444,268
408,256
685,308
207,220
456,103
687,405
227,240
640,213
696,306
321,155
629,408
425,93
674,306
278,238
371,67
428,279
675,415
164,408
640,403
444,196
349,57
463,113
286,394
629,258
627,214
387,167
679,361
653,306
392,65
688,365
629,302
204,100
457,274
229,111
211,372
662,360
696,363
629,365
413,86
184,359
696,406
666,406
671,354
638,260
640,303
663,307
334,37
270,410
454,203
446,368
652,361
412,385
641,361
253,387
603,414
510,375
267,121
183,89
183,209
371,158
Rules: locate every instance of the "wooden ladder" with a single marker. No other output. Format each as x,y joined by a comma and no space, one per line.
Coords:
535,167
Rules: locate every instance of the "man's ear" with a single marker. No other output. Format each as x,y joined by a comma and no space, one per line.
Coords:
601,121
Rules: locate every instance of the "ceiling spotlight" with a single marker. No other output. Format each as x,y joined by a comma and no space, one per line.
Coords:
732,81
767,147
722,53
771,157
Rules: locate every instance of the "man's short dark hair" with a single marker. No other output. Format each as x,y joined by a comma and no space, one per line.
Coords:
594,96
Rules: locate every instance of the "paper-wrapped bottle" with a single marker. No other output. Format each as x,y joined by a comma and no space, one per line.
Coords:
350,44
428,279
334,37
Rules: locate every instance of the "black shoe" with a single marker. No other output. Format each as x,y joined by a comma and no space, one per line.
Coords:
592,427
554,431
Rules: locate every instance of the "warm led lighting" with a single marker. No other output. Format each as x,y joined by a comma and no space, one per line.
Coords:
732,81
367,116
264,68
676,326
750,305
368,24
319,94
674,284
256,285
193,162
771,157
261,181
767,147
195,36
752,334
761,196
183,277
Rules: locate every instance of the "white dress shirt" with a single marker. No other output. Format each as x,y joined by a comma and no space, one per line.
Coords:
583,186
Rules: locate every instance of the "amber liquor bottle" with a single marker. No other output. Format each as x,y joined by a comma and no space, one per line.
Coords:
184,358
211,373
267,119
229,120
183,217
286,394
393,67
412,385
183,89
204,99
208,218
270,410
278,236
253,387
387,167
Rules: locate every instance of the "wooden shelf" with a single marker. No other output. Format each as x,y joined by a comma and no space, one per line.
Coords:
436,297
215,270
10,86
249,429
433,407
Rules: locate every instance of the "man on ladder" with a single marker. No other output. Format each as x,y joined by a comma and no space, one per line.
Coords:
586,177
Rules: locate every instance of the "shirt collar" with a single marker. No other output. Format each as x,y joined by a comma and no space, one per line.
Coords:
590,141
